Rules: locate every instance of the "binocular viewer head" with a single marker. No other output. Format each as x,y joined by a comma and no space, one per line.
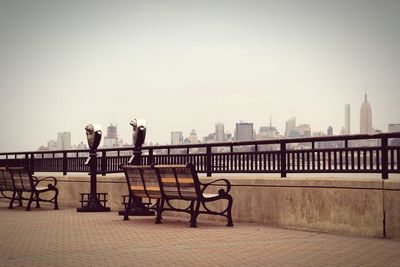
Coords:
93,134
139,132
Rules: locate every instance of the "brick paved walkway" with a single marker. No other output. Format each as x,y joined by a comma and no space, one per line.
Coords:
44,237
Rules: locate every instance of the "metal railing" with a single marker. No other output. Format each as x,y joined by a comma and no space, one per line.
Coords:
330,154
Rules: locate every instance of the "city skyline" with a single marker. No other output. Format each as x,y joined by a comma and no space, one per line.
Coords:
185,65
243,131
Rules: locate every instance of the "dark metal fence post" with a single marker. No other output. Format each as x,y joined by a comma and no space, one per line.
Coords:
346,158
103,163
64,163
151,159
27,162
313,155
385,161
32,163
283,159
208,161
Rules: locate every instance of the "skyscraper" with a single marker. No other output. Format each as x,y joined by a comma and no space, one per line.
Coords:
329,131
290,127
347,118
64,140
111,139
244,131
176,138
193,137
366,117
219,132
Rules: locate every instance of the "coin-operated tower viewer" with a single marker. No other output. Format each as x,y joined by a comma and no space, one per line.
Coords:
93,204
139,135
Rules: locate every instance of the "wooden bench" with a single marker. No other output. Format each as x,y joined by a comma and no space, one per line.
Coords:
142,182
7,185
25,182
166,183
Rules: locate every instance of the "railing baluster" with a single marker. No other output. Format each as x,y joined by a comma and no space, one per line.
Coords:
335,160
364,159
378,161
391,159
313,155
329,160
208,151
64,168
103,164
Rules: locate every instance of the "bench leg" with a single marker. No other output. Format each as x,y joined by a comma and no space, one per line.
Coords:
55,198
160,209
128,208
195,213
37,200
229,210
28,207
12,200
191,207
19,199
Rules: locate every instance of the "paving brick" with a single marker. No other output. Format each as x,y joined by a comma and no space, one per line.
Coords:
45,237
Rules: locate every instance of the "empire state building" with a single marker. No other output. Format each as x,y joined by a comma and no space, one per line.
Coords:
366,117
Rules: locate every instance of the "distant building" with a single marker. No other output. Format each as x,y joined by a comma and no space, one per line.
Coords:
303,130
111,138
210,138
290,129
219,132
176,138
82,145
193,137
347,119
267,132
343,131
228,137
329,131
366,117
394,128
64,141
244,131
52,145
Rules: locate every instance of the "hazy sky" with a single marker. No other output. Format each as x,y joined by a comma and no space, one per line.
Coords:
188,64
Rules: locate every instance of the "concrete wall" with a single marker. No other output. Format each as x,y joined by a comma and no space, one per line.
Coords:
358,207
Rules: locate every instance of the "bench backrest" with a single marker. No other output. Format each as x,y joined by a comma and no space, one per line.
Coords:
6,180
23,180
179,181
142,181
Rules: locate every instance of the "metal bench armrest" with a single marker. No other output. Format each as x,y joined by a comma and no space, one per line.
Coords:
221,191
51,179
